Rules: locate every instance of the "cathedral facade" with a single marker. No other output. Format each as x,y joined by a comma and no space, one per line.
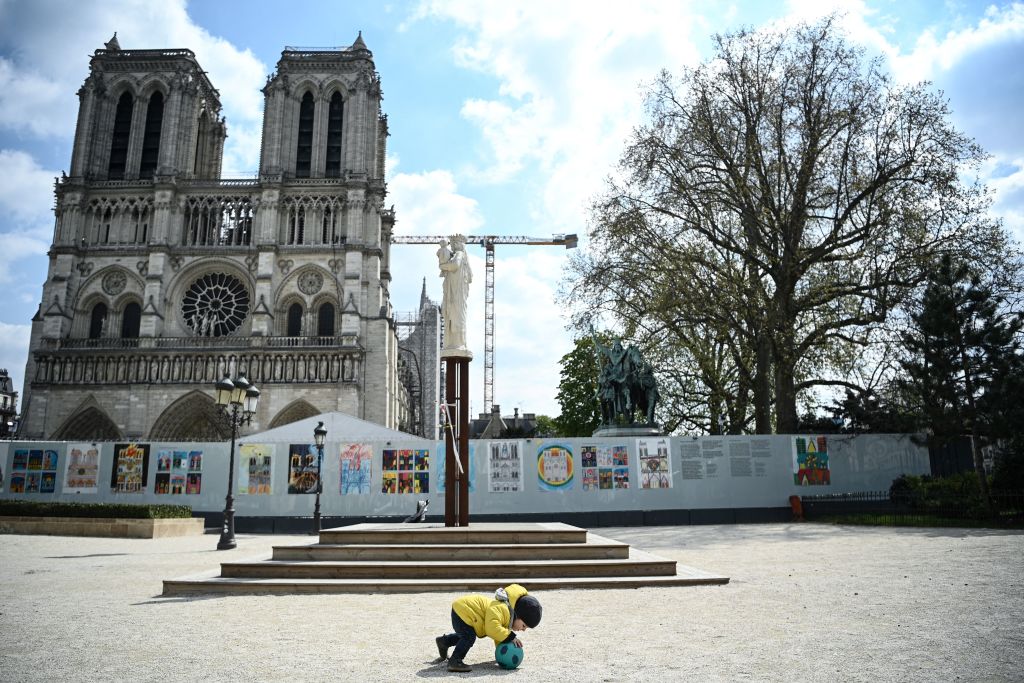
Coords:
164,277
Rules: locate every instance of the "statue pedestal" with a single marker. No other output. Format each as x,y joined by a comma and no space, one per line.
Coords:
456,437
627,430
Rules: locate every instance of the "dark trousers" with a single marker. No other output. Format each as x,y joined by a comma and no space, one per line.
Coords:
463,638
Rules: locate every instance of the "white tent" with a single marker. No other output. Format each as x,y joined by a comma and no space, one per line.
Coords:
340,427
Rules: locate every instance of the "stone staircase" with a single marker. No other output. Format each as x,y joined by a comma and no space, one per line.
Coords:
412,558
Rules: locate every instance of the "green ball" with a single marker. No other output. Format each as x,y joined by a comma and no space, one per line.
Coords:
508,655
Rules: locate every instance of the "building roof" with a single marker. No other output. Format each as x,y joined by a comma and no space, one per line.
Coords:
340,427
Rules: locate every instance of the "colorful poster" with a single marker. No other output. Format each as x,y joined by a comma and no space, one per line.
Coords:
254,460
302,468
605,467
194,476
83,468
405,471
47,479
810,461
655,463
504,467
131,468
18,470
555,467
442,466
356,468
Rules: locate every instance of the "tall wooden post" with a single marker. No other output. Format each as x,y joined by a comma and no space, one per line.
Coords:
464,441
456,438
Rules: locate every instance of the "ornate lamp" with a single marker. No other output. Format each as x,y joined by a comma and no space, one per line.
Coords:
319,437
238,400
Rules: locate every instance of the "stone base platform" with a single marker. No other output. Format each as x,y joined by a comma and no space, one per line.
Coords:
412,558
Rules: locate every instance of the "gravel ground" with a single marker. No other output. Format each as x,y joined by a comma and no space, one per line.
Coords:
806,602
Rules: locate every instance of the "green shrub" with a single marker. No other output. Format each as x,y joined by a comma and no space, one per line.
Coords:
28,508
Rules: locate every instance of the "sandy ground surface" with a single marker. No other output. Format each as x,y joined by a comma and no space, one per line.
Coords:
806,603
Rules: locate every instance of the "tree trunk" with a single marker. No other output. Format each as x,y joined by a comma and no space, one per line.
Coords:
762,386
785,384
785,399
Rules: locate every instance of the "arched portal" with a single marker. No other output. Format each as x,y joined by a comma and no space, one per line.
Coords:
193,417
293,412
89,423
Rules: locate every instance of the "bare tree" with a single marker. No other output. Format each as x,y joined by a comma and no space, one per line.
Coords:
786,194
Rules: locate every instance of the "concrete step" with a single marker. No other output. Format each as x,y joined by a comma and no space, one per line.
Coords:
209,583
438,534
604,549
637,564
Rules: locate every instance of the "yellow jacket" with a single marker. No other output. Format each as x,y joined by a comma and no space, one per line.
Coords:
489,617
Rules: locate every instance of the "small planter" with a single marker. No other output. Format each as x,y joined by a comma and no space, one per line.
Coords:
100,526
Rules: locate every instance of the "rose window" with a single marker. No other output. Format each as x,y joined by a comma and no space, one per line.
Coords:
215,305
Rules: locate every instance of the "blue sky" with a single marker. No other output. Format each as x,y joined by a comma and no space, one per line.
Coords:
505,118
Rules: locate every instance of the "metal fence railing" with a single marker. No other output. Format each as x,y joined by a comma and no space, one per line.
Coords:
910,508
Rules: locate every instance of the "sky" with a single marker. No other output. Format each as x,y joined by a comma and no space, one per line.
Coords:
506,118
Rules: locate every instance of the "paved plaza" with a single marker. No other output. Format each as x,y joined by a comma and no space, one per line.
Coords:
806,602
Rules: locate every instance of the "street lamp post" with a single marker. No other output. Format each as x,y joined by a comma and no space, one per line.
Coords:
237,399
319,436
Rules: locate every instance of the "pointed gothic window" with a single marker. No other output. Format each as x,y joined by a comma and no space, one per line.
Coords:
151,136
325,321
97,320
202,140
131,320
122,133
334,118
294,321
304,152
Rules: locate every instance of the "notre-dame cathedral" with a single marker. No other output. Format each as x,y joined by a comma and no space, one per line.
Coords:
163,277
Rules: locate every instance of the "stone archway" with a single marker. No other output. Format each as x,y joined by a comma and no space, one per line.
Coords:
88,424
293,412
193,417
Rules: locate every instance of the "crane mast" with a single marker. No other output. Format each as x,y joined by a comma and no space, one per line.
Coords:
488,242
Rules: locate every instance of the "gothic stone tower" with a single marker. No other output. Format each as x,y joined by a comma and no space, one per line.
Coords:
163,276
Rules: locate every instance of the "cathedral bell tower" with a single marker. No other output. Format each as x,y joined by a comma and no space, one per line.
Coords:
164,277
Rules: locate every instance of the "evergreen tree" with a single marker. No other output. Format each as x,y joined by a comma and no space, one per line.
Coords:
959,342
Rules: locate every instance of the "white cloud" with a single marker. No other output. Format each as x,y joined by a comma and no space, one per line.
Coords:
933,55
429,204
26,199
529,330
568,93
13,352
27,190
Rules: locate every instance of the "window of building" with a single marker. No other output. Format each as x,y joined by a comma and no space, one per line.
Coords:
122,134
325,321
151,136
130,321
297,225
334,119
294,321
97,320
202,140
304,152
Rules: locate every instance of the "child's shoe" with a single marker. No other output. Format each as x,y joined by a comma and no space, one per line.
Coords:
442,649
458,665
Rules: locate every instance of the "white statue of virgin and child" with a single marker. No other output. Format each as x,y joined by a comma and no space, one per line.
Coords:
453,263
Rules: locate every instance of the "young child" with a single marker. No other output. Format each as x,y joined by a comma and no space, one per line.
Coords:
498,618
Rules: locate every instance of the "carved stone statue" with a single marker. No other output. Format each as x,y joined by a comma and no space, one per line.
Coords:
626,385
457,277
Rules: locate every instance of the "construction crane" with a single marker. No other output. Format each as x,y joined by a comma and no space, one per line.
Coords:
488,242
